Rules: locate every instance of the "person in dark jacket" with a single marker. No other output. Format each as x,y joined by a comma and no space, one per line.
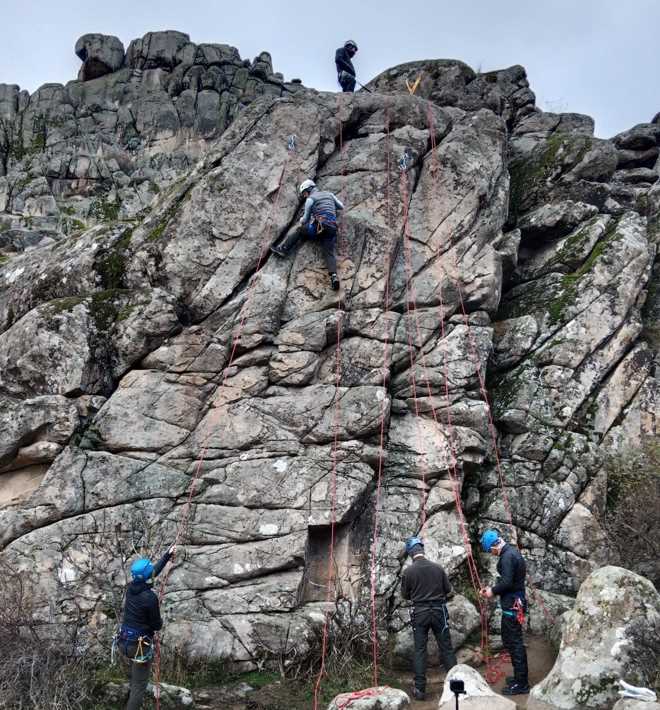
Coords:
510,587
319,221
345,69
427,586
140,622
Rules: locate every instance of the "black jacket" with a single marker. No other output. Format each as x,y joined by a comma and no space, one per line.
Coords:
511,581
343,61
424,581
141,608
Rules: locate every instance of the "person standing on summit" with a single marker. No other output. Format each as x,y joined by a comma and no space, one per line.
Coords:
345,69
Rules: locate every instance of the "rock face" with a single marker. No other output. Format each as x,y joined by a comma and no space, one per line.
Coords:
162,373
100,54
612,633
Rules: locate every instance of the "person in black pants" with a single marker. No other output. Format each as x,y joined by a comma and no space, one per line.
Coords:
510,587
426,585
344,64
141,621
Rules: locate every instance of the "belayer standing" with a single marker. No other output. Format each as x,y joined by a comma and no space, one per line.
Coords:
427,586
345,69
140,622
319,221
510,587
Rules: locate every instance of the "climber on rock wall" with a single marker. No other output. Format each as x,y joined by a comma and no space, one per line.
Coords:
319,221
141,620
510,587
345,69
427,586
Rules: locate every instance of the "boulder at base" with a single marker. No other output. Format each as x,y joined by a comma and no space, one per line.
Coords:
631,704
478,694
380,698
612,633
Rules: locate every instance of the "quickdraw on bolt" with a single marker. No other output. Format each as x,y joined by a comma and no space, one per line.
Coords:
406,160
291,143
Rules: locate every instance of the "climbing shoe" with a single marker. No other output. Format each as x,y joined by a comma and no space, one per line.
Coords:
510,679
418,694
334,282
278,250
516,689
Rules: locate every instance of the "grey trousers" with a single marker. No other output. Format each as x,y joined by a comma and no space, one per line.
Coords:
139,677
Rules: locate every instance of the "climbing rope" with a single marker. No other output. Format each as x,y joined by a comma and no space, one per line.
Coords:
349,698
333,473
184,520
452,463
383,417
494,671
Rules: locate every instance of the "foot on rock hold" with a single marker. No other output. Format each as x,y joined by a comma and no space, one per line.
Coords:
278,250
334,282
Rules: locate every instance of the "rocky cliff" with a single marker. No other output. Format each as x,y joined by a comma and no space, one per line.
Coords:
161,373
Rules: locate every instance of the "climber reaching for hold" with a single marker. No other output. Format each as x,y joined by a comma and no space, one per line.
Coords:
319,221
141,621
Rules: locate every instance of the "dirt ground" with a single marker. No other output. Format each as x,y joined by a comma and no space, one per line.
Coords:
540,659
282,696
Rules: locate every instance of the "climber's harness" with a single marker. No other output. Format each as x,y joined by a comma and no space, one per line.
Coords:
518,609
316,224
126,638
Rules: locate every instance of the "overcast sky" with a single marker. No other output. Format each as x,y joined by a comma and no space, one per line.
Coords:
598,57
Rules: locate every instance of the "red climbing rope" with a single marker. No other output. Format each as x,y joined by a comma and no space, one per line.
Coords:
383,417
453,459
213,420
333,480
494,671
349,698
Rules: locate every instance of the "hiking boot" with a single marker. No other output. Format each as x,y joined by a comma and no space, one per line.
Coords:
516,689
418,694
278,250
334,282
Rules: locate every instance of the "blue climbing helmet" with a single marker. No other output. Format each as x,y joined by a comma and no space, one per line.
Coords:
413,542
142,570
488,539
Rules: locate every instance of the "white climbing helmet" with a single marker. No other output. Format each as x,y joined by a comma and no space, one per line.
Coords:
306,185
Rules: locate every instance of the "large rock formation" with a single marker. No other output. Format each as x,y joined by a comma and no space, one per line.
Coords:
152,353
612,634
